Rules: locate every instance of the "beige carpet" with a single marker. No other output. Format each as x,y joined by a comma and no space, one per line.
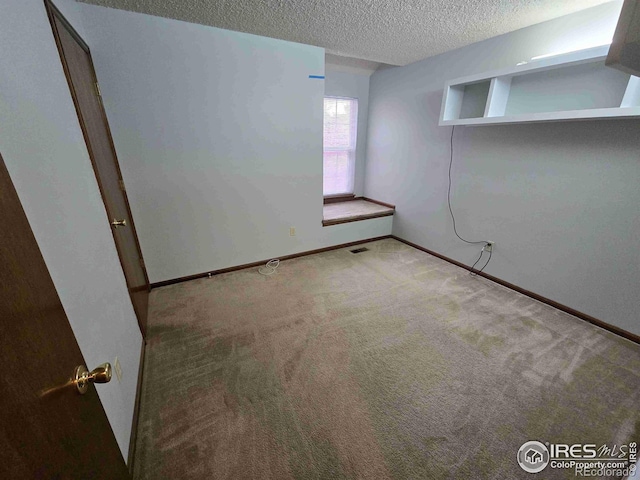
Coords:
385,364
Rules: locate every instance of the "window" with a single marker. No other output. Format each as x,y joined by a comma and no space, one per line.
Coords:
339,144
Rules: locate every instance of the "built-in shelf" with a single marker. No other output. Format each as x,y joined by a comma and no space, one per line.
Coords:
572,86
355,210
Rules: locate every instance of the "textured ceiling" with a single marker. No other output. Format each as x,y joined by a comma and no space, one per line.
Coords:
395,32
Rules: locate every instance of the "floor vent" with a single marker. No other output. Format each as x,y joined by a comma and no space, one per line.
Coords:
359,250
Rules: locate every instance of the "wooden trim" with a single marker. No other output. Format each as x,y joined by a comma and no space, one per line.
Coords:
257,264
358,218
583,316
378,202
347,198
53,11
338,198
136,412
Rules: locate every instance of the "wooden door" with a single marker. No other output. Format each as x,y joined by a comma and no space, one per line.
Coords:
47,429
81,76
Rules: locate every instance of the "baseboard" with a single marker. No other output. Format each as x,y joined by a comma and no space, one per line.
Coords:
384,204
136,412
262,262
583,316
338,198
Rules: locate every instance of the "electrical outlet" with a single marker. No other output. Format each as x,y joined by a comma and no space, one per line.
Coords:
489,246
292,231
118,368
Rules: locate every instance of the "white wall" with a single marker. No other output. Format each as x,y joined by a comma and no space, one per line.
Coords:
560,199
353,85
219,135
44,150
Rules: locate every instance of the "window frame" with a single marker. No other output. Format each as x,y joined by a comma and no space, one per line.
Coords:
351,151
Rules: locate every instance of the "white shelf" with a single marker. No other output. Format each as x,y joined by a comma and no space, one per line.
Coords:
573,86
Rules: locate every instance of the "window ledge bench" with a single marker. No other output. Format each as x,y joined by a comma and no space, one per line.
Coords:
354,210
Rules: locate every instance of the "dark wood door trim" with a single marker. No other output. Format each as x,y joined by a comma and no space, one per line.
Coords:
55,14
53,10
136,412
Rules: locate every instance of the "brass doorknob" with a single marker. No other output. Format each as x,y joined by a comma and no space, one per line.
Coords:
119,223
100,374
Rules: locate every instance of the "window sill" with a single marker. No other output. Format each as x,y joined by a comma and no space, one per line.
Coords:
345,197
355,210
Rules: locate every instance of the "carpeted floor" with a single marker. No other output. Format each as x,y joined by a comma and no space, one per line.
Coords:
385,364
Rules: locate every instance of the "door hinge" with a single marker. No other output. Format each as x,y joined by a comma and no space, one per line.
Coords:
142,262
121,183
98,93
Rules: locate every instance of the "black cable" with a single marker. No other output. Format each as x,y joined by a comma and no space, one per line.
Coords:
488,260
449,196
485,265
453,219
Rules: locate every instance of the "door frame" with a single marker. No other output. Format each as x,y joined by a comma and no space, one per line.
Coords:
53,11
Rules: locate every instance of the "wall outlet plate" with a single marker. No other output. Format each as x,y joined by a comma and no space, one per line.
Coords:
118,368
489,246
